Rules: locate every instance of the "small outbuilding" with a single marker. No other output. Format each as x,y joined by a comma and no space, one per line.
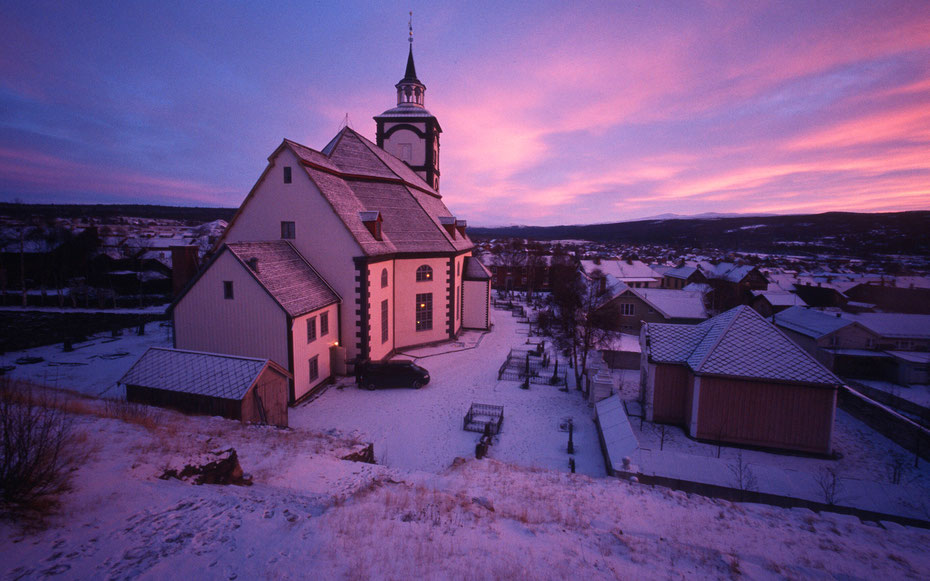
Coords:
736,378
476,295
240,388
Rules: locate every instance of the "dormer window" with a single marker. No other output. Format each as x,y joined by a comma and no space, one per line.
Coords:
287,174
424,274
372,221
448,223
460,225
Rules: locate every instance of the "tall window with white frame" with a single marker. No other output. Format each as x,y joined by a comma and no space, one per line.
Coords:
311,329
384,321
314,365
384,278
424,311
324,324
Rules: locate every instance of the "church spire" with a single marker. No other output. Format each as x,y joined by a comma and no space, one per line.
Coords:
410,91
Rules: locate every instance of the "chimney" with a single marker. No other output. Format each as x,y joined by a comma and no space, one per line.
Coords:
253,263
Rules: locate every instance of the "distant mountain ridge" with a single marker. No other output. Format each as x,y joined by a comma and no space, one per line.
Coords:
182,213
858,234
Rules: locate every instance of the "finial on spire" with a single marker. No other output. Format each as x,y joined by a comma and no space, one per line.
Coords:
410,26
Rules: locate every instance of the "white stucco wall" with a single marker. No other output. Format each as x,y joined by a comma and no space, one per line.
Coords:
321,237
250,324
376,294
320,347
405,290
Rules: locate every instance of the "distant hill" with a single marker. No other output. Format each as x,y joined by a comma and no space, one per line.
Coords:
182,213
838,232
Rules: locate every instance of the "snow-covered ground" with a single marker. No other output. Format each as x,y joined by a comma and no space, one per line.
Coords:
310,515
423,429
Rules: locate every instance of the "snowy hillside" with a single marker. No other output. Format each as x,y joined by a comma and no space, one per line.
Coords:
311,515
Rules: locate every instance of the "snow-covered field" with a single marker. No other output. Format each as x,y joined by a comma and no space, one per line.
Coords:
425,512
310,515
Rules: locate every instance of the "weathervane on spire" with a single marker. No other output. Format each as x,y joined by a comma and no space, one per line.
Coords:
410,26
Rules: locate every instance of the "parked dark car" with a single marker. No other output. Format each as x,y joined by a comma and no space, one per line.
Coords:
375,374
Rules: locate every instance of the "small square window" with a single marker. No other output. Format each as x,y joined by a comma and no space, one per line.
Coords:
227,289
287,174
311,329
288,231
324,324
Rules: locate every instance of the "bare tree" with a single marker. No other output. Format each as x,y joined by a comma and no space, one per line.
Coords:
742,474
828,480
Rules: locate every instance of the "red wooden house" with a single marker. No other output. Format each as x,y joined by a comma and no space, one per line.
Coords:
738,379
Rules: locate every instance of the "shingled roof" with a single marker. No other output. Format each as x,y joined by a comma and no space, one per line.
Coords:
209,374
283,272
474,270
355,175
738,343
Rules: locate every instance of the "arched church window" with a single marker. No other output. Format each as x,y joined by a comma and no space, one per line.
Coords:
384,278
424,274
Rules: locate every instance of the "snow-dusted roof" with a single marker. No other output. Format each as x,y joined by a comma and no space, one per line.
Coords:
283,272
893,325
674,304
810,322
682,272
474,270
739,343
781,299
634,271
210,374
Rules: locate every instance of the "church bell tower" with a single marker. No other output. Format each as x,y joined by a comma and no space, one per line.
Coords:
408,131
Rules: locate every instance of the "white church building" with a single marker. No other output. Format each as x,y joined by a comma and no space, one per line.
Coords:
347,253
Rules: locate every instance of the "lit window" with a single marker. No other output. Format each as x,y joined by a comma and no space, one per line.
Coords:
424,274
424,311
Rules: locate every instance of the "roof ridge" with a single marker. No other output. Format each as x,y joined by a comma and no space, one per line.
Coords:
726,327
224,355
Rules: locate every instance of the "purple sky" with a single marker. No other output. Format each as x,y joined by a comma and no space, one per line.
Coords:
552,113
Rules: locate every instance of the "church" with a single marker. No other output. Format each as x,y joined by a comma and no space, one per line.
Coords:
340,255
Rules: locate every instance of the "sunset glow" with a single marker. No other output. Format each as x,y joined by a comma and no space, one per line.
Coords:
551,113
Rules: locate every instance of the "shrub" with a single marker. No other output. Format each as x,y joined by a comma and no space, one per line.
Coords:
35,442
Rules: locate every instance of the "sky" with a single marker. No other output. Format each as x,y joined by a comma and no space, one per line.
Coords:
552,112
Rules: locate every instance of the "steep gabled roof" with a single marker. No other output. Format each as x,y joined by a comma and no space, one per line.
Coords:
283,272
737,343
355,175
209,374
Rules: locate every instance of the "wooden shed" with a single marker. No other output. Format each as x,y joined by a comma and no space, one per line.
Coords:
476,295
736,378
241,388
